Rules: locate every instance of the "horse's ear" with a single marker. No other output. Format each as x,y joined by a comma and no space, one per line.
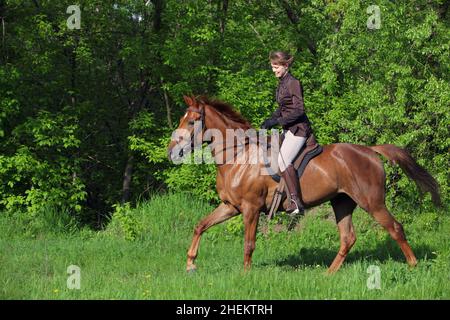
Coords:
194,101
189,101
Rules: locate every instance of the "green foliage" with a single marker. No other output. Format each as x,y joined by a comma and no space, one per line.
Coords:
200,180
256,104
43,222
124,223
41,172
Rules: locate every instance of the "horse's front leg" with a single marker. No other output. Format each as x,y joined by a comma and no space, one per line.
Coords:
220,214
251,218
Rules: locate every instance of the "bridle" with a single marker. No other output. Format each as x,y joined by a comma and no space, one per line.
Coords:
200,111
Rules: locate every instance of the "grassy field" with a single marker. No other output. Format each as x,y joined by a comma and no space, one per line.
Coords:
142,255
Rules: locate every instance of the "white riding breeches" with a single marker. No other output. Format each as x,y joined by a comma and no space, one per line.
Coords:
289,149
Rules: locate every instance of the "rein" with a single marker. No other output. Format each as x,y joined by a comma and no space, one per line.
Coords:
201,111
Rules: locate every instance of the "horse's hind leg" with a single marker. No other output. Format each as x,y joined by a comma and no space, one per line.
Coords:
220,214
395,229
343,207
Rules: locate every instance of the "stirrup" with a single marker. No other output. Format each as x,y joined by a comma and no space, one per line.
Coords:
298,209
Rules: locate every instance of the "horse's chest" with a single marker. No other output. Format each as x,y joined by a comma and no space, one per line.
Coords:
230,187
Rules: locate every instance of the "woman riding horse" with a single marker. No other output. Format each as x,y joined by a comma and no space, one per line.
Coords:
291,115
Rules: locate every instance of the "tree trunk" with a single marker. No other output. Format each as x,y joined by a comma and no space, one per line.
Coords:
2,18
73,69
158,11
168,108
223,18
126,186
295,20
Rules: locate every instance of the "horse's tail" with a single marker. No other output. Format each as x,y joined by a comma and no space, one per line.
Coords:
414,171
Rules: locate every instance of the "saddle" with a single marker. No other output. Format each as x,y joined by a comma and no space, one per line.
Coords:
310,150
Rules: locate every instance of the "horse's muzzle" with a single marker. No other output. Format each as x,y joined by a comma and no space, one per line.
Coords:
176,152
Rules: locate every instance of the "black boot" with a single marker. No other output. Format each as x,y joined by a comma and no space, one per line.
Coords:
293,186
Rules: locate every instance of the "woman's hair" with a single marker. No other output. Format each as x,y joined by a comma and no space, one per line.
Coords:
281,58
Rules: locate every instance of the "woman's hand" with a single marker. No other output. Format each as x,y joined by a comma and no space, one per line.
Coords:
269,123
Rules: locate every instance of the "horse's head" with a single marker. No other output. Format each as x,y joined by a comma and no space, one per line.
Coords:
189,130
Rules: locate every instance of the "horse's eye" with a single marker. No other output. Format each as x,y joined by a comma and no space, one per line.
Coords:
191,122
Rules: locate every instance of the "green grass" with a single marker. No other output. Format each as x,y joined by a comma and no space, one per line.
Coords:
286,265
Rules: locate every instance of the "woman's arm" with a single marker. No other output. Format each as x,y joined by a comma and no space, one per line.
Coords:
276,114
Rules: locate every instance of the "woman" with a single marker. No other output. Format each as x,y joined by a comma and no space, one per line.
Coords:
296,126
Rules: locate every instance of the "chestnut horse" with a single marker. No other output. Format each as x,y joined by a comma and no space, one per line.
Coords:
345,174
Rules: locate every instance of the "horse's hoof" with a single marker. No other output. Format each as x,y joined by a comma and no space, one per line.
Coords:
191,270
412,263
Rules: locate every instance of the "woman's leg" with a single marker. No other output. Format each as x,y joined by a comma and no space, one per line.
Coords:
289,149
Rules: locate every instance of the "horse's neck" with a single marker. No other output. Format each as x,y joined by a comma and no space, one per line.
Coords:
216,120
221,149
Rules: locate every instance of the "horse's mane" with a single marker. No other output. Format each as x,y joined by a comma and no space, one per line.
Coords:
225,109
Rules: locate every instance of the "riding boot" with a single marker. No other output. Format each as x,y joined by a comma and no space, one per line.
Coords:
293,185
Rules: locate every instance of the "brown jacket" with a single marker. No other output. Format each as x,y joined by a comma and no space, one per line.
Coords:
291,111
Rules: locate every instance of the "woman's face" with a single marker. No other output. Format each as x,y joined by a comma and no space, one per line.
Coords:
279,69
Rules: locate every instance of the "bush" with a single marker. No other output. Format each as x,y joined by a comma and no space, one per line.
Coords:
124,223
46,220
